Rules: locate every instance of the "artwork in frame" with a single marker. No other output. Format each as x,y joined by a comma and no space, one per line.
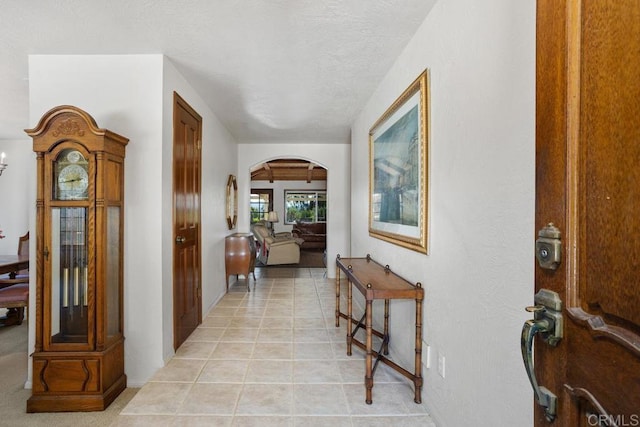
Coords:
398,170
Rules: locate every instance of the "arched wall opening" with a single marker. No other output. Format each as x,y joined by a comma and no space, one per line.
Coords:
334,158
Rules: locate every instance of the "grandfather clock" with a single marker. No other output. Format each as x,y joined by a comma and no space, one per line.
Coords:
78,363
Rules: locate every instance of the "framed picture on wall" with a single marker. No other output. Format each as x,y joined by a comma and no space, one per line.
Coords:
398,170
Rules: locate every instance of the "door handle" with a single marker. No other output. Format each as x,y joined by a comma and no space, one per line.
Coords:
547,322
180,239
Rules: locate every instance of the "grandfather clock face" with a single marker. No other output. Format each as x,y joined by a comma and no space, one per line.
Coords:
71,178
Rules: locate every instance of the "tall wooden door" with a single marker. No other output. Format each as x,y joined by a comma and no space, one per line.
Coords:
187,292
588,186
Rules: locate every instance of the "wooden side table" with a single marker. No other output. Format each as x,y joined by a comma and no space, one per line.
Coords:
375,281
240,256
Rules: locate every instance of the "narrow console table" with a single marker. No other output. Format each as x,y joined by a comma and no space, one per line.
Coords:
375,281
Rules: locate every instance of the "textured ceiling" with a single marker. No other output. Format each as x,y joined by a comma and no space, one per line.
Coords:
271,70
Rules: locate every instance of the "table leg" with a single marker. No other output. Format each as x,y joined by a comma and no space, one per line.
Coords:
337,297
349,317
385,338
368,376
418,362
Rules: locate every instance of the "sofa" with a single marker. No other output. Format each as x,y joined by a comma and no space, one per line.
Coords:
281,248
314,234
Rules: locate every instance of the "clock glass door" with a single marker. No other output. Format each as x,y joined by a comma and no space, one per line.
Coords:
69,275
113,284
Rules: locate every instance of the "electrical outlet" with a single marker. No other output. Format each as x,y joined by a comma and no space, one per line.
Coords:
441,361
427,356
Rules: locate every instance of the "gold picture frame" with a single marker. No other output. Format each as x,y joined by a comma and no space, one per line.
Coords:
398,170
232,202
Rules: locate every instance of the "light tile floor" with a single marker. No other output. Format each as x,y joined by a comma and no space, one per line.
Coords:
273,357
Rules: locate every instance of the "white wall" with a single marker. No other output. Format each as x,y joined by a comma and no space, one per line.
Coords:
132,95
124,95
15,199
479,275
332,156
279,187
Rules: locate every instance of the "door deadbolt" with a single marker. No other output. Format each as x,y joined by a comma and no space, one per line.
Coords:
549,247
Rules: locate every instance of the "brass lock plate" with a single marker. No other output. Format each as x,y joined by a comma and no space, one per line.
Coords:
549,247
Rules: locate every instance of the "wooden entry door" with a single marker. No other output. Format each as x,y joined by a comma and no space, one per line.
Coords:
588,185
187,292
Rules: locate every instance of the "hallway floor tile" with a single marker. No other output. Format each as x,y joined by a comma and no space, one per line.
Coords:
272,357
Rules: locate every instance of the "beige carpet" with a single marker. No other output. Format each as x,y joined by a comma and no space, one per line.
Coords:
13,395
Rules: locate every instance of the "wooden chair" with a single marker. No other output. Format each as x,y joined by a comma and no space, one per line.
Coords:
21,276
15,299
14,289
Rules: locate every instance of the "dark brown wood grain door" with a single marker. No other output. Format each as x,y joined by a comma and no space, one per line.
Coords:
187,292
588,185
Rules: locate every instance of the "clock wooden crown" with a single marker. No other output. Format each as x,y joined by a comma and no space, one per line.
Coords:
68,122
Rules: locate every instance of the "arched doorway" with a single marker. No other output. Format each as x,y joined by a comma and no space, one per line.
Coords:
290,194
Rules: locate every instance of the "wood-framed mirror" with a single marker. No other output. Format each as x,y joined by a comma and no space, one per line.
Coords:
232,202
